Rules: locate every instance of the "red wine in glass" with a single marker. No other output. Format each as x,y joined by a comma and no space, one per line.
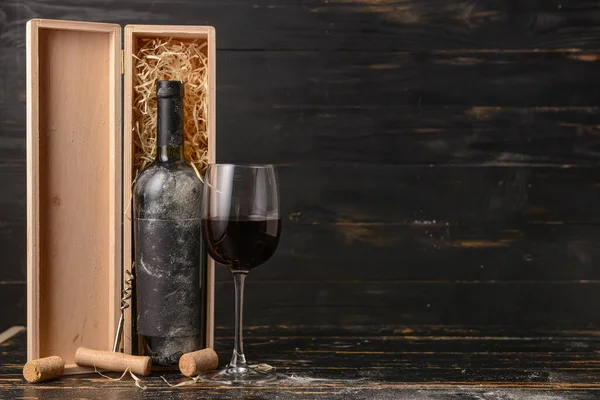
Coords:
241,244
241,225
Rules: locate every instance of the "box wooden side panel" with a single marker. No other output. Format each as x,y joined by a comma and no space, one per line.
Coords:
180,32
32,190
115,189
73,185
128,173
212,158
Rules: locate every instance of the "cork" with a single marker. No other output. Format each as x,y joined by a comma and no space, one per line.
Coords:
44,369
111,361
191,364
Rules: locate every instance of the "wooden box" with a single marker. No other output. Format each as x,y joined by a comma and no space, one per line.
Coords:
79,177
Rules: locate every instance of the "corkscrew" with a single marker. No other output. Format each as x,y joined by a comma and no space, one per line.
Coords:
125,297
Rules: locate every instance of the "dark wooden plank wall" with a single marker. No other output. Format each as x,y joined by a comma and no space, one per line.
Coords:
439,158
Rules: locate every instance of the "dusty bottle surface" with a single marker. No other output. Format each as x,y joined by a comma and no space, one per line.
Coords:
169,257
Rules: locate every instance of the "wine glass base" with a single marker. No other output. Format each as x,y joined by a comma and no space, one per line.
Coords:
240,376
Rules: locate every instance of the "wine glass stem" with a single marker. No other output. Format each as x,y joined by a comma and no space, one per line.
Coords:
238,360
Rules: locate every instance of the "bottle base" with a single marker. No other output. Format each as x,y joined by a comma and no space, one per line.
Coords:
166,351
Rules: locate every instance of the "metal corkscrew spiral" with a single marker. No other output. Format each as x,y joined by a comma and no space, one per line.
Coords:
125,296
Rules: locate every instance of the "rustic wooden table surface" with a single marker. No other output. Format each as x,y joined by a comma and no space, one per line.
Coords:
363,363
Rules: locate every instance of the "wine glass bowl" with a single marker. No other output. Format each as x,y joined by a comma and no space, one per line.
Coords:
241,226
242,244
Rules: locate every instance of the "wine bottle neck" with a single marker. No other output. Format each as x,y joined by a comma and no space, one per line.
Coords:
169,123
166,154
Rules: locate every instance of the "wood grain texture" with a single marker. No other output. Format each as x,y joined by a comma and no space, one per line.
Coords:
371,25
379,302
409,135
13,304
417,79
74,196
427,363
435,223
433,152
538,253
465,195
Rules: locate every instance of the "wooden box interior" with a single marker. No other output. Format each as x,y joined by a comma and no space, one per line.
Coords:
74,190
133,35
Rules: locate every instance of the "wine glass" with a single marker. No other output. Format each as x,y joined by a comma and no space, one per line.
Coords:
241,225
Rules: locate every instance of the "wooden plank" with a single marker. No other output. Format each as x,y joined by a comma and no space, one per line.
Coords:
13,232
438,391
13,304
346,303
128,176
486,199
548,336
409,135
329,252
417,79
345,24
115,191
33,187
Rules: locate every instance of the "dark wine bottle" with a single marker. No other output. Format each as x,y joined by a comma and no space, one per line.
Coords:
169,257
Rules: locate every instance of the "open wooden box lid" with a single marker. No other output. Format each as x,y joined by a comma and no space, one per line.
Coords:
78,184
74,181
